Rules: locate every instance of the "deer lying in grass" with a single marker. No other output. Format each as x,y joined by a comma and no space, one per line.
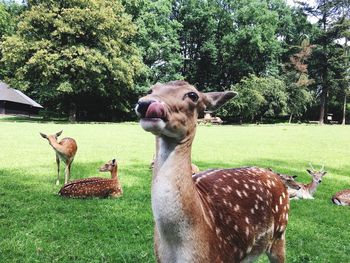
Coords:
65,151
306,191
288,180
342,197
219,215
95,186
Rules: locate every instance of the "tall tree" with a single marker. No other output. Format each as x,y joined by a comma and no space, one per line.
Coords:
326,12
297,79
157,39
76,54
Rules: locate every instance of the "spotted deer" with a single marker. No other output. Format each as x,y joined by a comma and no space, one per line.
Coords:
342,197
95,186
65,151
288,180
218,215
307,191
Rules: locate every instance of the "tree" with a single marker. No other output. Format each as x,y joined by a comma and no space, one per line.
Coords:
157,39
259,97
327,12
74,55
297,80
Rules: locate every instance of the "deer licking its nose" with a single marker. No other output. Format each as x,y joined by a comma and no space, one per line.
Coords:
216,216
155,110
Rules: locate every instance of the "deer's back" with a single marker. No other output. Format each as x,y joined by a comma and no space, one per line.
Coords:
69,146
89,187
247,207
342,197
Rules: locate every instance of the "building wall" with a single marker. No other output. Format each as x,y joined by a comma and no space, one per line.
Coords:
8,107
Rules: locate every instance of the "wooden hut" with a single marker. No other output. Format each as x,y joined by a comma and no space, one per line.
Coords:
14,102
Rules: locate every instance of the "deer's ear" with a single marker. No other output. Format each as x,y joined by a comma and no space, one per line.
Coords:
324,173
294,176
113,161
309,171
43,135
214,100
59,133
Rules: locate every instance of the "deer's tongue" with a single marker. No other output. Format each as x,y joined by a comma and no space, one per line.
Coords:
156,110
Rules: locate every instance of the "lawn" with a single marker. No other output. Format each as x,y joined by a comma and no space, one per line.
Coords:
36,225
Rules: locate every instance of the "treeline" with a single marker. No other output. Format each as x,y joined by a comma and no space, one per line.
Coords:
91,59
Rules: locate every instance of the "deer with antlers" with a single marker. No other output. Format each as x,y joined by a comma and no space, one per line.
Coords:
307,191
95,186
218,215
65,151
342,197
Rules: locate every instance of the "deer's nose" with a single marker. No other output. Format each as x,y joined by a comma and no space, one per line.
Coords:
142,107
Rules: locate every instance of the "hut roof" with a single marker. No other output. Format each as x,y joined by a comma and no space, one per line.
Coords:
10,94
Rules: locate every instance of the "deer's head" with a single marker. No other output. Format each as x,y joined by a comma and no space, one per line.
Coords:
172,109
52,137
317,175
289,181
109,166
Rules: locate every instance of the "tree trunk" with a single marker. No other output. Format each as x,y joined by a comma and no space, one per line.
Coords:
344,109
290,118
72,112
322,107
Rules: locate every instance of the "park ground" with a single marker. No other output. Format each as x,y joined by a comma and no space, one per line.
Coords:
36,225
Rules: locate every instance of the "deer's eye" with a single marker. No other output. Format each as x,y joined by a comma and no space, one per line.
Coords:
150,91
193,96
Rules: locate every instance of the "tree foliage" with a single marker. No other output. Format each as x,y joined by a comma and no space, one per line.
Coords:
259,97
77,53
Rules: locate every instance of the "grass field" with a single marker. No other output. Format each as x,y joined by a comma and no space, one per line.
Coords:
36,225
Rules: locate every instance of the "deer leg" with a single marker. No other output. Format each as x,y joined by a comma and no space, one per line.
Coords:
58,170
67,172
277,252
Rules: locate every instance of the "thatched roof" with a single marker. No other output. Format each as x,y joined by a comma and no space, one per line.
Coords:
10,94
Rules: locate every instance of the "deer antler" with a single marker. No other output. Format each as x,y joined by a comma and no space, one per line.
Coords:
312,168
322,169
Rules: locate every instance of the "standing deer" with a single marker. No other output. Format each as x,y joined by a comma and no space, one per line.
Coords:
342,197
219,215
95,186
306,191
65,151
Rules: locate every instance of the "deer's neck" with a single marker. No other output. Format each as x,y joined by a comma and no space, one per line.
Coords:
311,187
114,176
175,201
55,145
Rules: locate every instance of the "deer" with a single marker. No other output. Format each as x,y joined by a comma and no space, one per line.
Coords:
194,167
307,191
65,151
217,215
342,198
95,186
288,180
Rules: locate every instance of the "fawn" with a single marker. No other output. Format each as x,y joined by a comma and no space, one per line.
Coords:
65,151
95,186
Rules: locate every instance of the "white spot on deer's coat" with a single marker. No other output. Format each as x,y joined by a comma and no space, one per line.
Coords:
280,200
247,231
236,208
239,193
247,220
284,195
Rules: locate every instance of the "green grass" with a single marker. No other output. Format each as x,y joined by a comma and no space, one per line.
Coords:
36,225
